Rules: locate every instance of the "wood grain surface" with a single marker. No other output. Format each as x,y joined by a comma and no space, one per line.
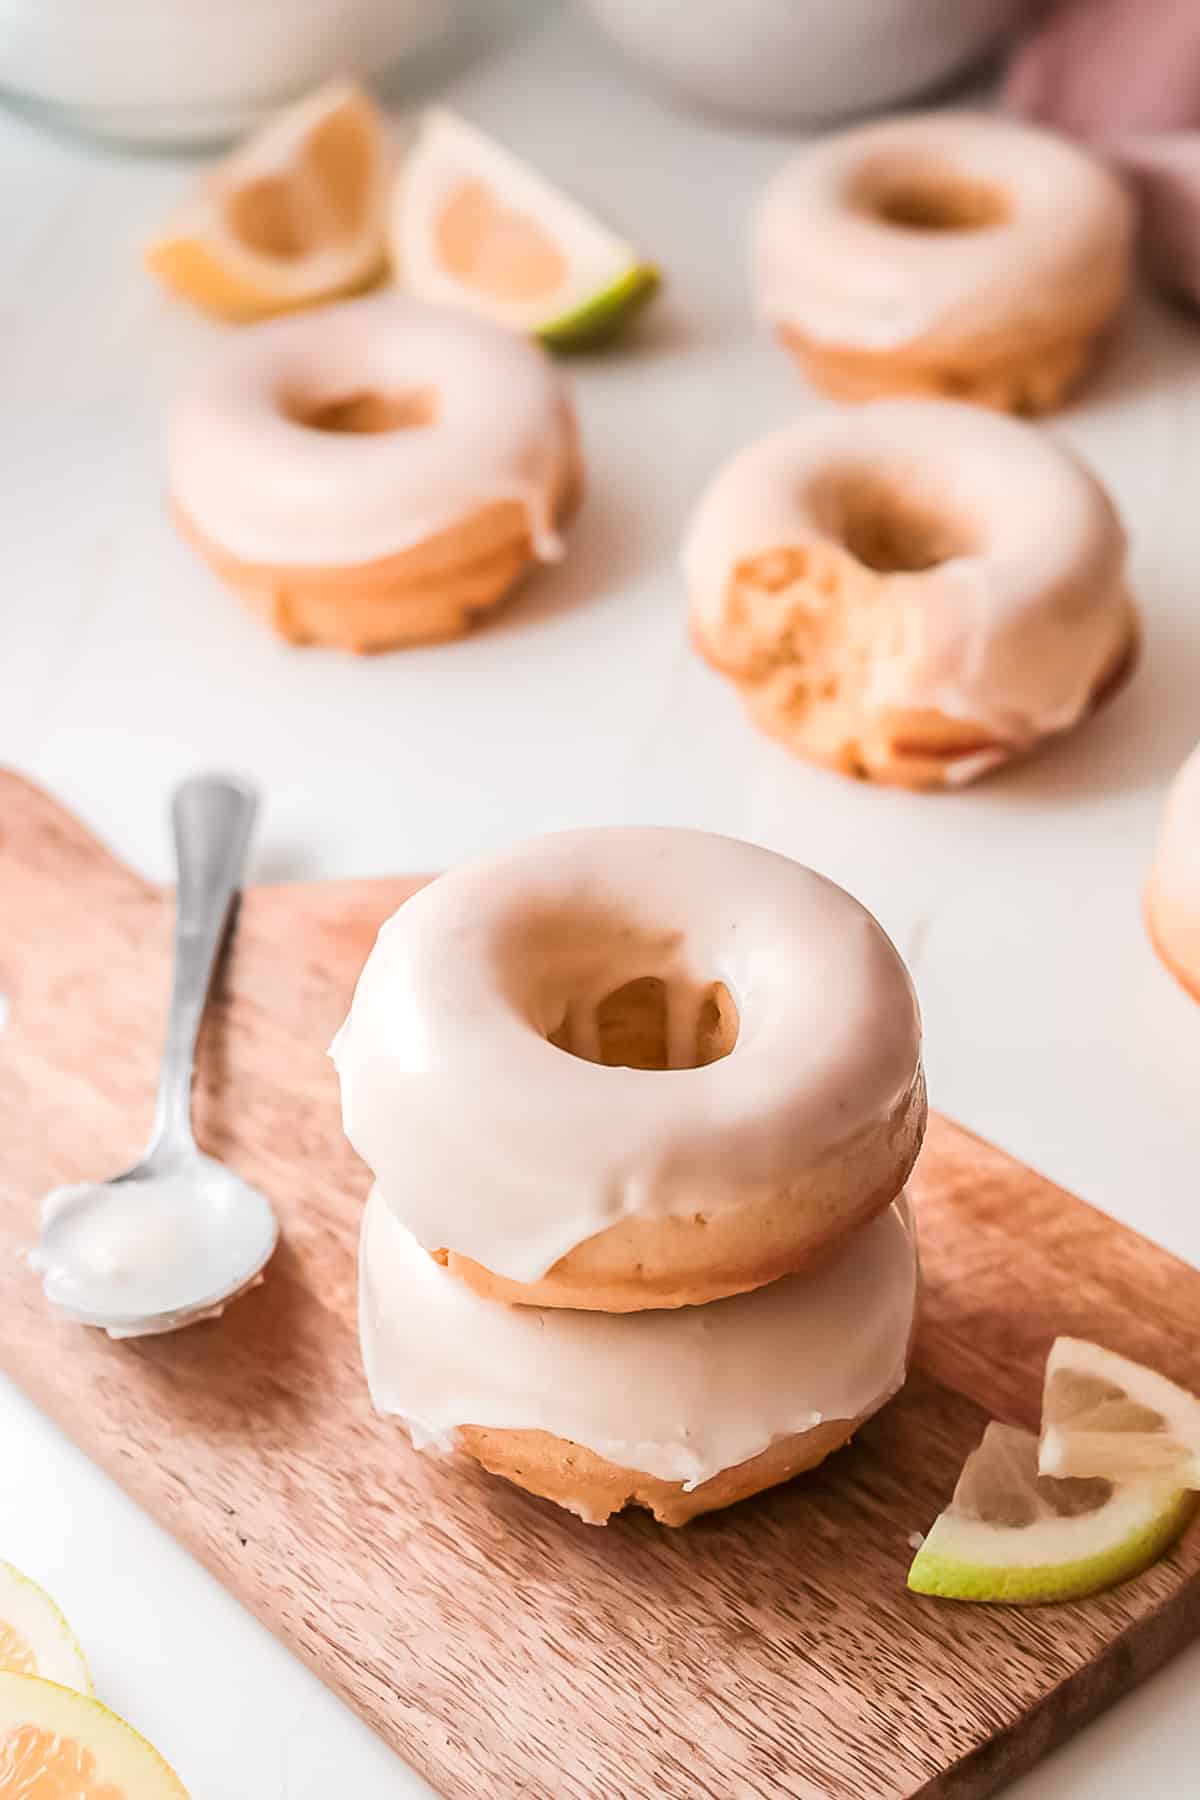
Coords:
499,1645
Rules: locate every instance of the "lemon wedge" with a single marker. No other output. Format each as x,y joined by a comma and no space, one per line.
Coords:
472,227
1102,1413
60,1745
1013,1535
35,1639
296,214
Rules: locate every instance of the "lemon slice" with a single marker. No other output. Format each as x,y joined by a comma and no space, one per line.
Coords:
295,214
35,1639
1010,1534
473,227
1104,1414
59,1745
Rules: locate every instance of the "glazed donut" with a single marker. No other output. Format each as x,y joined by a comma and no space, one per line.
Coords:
1173,890
913,591
943,253
618,1069
741,1394
374,474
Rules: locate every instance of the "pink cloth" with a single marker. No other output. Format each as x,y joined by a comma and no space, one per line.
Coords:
1166,172
1109,69
1125,74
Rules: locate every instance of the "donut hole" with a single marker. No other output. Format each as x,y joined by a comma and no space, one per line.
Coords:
652,1022
924,194
887,523
321,201
365,411
606,985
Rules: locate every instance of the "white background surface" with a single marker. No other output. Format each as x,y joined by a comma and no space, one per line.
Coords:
1050,1026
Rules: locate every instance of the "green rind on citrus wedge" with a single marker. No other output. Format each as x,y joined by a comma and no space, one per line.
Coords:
600,320
942,1566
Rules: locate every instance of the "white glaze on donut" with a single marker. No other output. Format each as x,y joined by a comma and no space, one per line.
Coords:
680,1395
1173,895
826,265
488,1140
1016,631
271,489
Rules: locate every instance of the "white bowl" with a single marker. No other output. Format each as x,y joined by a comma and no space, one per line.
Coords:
804,61
178,71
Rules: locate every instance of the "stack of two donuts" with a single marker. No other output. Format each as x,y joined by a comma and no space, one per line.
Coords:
640,1106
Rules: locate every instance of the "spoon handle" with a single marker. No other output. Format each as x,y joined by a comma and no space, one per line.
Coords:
211,821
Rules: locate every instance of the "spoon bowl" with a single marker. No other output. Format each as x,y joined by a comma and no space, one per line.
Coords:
170,1242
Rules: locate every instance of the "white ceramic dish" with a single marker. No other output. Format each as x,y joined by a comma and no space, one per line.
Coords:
192,71
805,61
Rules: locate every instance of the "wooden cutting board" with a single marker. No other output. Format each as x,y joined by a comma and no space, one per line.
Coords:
499,1645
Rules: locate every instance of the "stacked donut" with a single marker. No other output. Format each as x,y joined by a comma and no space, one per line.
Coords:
640,1106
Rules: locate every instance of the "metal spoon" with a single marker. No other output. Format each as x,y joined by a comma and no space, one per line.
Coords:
179,1235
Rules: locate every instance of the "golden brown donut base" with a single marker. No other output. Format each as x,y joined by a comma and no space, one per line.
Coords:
804,628
595,1489
641,1264
433,591
1185,972
1011,372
